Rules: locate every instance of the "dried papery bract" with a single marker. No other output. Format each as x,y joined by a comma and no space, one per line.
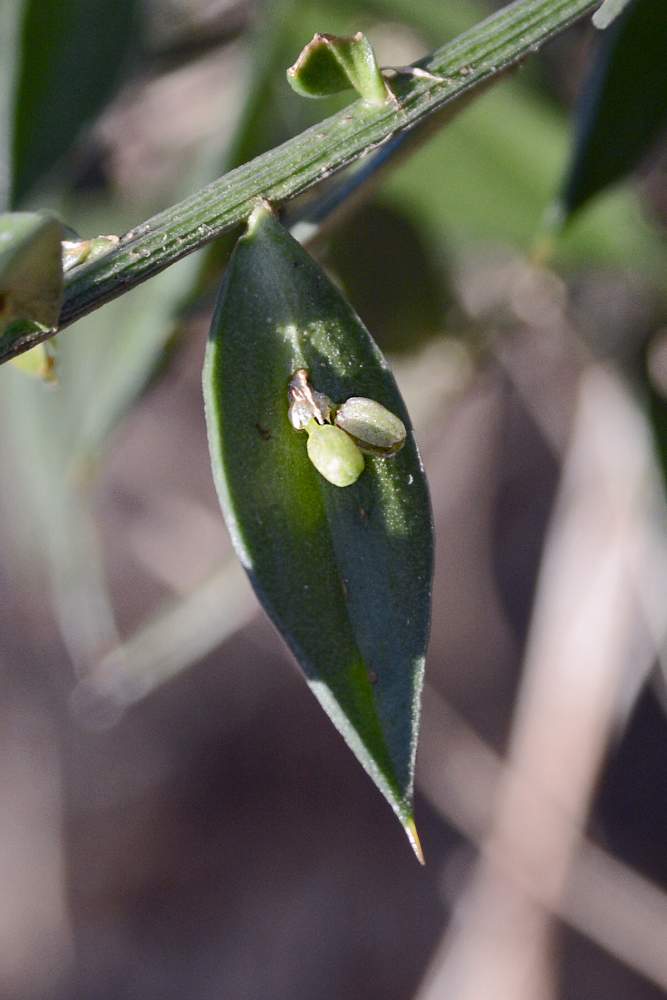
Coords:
305,403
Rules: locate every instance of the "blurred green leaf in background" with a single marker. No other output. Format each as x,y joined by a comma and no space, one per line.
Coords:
70,58
344,572
622,108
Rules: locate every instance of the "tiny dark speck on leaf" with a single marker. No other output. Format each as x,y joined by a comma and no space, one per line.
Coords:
263,432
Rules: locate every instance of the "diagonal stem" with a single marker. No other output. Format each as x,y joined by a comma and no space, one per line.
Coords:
465,64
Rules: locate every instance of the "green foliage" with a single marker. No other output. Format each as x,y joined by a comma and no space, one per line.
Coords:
383,245
70,57
623,106
344,573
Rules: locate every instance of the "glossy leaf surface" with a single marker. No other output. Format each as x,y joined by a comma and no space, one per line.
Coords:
623,107
345,574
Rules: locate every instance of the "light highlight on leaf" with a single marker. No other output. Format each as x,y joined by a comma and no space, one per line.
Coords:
608,12
345,574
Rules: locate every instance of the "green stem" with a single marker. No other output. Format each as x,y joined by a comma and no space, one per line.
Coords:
466,63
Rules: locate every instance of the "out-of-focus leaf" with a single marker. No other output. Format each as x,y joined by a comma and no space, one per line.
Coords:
654,384
657,410
31,273
56,437
110,357
51,513
496,168
381,248
71,55
118,351
183,631
608,12
622,108
10,18
345,573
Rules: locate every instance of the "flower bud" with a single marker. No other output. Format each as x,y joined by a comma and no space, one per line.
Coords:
372,426
334,454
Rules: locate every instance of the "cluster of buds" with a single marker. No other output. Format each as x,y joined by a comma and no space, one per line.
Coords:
338,435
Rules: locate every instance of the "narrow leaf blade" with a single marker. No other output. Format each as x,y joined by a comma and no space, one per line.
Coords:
71,55
623,106
345,573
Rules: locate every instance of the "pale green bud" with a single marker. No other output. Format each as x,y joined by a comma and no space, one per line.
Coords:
372,426
334,454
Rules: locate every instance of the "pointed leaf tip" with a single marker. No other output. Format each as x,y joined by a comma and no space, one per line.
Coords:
415,842
344,573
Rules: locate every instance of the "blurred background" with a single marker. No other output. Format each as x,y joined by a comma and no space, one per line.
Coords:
178,817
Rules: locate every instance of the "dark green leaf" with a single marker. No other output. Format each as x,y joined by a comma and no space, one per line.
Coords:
10,19
623,106
381,247
345,573
71,55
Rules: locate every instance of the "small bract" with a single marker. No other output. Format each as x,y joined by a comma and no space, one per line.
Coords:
334,454
305,403
331,63
374,428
